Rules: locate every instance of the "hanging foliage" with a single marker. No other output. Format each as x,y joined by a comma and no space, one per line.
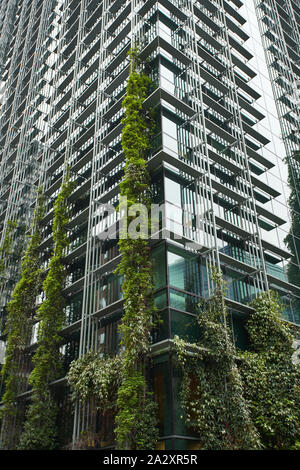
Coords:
212,390
97,378
40,426
272,379
19,327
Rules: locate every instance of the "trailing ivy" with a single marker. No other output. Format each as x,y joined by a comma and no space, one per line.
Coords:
136,417
19,327
272,380
96,378
40,426
212,390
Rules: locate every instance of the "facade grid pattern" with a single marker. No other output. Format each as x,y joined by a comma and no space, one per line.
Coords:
226,104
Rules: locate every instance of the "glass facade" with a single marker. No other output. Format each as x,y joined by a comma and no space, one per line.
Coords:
224,96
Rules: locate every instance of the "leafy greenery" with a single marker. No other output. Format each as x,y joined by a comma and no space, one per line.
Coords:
19,326
272,380
136,417
244,400
40,426
212,389
5,253
94,377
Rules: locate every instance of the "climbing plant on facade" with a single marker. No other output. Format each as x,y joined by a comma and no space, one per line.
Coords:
212,390
40,426
136,418
271,378
19,327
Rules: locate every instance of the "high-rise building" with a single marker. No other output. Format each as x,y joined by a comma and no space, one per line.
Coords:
226,101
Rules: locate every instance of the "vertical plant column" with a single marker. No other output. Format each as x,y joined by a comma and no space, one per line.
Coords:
136,418
212,389
19,327
40,430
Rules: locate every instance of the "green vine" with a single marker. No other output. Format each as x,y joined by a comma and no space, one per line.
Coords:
272,380
40,426
212,389
136,417
19,326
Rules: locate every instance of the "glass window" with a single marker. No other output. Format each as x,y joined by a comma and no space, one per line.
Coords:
176,264
185,326
159,266
162,391
160,299
184,271
183,301
173,192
